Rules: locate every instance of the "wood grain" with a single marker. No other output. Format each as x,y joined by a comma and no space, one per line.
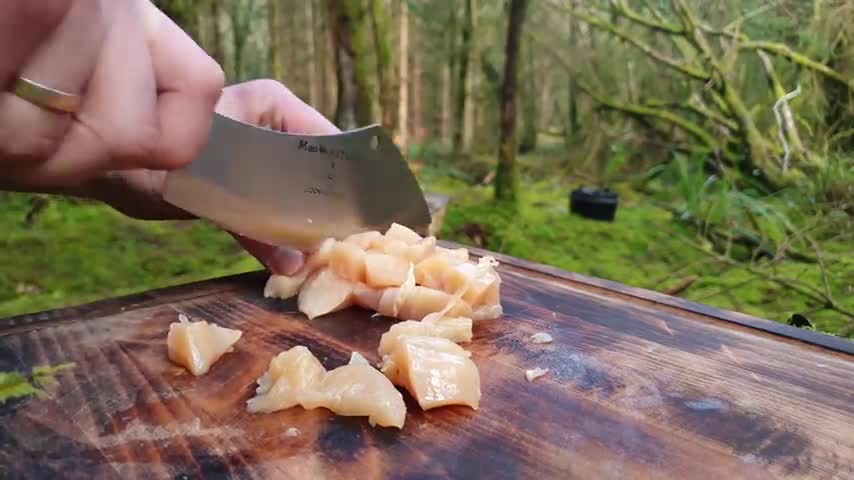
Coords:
640,386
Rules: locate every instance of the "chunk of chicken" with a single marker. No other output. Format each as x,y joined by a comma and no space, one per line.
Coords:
358,389
434,370
478,282
295,377
382,270
290,374
455,329
324,292
403,233
347,260
414,252
418,302
198,345
366,240
287,286
397,274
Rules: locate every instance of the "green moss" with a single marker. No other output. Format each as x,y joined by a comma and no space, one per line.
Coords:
15,385
79,252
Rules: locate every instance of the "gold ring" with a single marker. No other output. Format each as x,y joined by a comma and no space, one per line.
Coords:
45,96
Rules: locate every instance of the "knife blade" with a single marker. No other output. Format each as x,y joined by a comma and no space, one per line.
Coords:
296,189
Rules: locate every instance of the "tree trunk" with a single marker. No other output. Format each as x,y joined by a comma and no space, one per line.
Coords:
319,33
382,45
572,110
546,102
403,96
184,14
463,54
326,63
416,72
353,106
294,67
277,47
507,173
529,107
450,88
446,125
472,80
208,22
311,56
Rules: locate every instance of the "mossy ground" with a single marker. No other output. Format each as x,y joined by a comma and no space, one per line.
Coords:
76,252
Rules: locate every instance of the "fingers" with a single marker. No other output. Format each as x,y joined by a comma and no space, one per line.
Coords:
116,127
24,25
270,104
64,61
278,260
189,83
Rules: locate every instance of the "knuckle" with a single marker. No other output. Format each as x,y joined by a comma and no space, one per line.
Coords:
138,144
210,80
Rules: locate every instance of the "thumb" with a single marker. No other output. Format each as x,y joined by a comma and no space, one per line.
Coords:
278,260
269,104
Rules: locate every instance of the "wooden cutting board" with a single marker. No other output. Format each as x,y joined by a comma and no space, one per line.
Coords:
640,385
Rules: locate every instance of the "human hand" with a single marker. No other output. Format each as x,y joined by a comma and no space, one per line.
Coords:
147,91
148,95
265,103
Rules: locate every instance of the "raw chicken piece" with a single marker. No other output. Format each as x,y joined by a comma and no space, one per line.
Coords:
358,389
325,292
347,260
479,282
197,345
367,297
285,286
356,358
455,329
430,271
366,240
487,313
535,373
382,270
418,302
411,252
403,233
453,255
290,374
435,371
296,377
541,337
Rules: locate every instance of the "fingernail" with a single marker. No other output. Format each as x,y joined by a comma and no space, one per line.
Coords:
284,261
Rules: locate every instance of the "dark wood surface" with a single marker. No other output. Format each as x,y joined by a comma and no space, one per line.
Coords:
640,386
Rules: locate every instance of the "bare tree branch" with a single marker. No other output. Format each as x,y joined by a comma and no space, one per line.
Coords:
655,24
650,51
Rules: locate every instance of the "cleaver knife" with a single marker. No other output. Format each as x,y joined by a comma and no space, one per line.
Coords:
297,190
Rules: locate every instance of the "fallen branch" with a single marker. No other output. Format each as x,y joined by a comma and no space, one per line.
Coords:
804,289
688,126
651,52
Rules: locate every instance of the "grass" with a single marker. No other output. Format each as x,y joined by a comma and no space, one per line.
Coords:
79,252
76,252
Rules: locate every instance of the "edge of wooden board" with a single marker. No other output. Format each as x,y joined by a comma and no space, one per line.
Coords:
29,321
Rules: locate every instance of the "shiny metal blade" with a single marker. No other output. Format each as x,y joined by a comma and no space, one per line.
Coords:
296,190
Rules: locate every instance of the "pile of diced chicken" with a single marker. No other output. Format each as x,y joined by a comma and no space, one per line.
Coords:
437,292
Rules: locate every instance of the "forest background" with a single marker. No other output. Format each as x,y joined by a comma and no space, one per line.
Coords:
726,128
